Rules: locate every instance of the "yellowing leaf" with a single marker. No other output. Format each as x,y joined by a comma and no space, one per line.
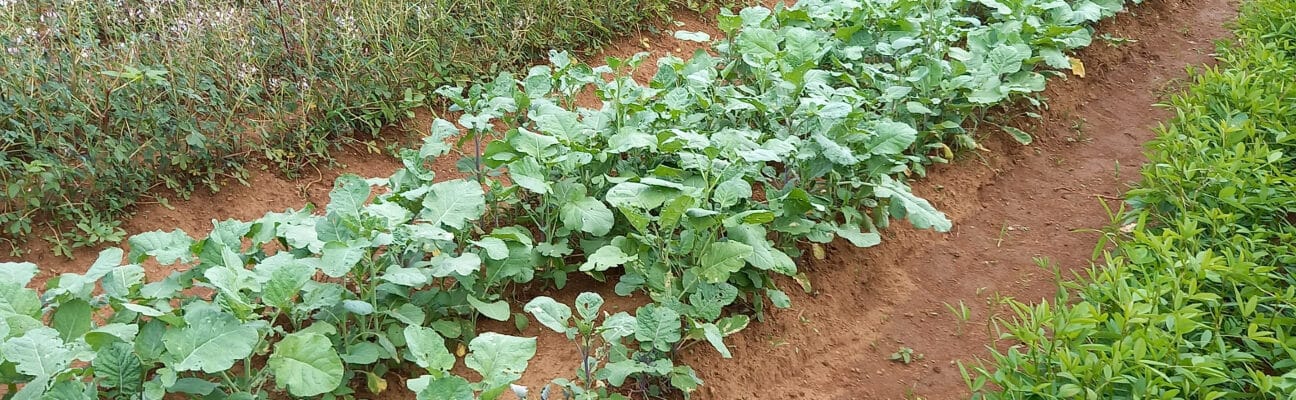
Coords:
1077,67
819,252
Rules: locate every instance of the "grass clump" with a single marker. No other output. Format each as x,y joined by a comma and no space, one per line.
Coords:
1198,299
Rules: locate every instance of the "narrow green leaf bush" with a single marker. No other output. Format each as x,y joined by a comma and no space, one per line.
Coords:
1198,298
104,102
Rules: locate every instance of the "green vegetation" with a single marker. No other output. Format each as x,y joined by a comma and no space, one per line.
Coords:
105,102
1198,298
695,190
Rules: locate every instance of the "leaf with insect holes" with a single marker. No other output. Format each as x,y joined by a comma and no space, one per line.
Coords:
606,257
657,325
722,259
588,304
428,349
500,359
549,313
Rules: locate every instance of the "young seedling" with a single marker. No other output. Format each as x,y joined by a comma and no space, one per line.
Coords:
961,314
906,355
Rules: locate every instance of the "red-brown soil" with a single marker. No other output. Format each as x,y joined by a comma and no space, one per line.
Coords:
1009,204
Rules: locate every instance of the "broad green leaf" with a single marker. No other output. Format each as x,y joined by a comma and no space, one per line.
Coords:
112,333
588,304
617,326
17,274
606,257
349,195
713,336
722,259
428,349
530,175
358,307
710,299
39,353
637,195
211,341
285,283
18,300
72,319
453,203
658,326
167,247
498,310
463,265
109,259
616,372
119,283
588,215
853,234
558,122
891,137
409,314
833,151
408,277
500,359
449,387
549,312
1019,135
532,144
803,45
917,210
758,46
306,364
362,353
700,37
764,255
117,367
778,298
731,192
337,258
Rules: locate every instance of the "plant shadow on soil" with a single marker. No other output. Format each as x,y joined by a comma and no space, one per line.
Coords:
1009,205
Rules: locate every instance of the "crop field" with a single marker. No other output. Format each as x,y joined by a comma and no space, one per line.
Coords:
810,199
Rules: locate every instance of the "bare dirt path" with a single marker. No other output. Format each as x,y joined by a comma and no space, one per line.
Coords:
1009,205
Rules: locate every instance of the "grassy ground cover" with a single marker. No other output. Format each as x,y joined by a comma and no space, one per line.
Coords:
101,102
1198,298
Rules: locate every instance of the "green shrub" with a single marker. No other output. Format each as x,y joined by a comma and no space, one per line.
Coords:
1198,300
103,102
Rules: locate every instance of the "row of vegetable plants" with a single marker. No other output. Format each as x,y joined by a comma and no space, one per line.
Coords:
1194,296
695,190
